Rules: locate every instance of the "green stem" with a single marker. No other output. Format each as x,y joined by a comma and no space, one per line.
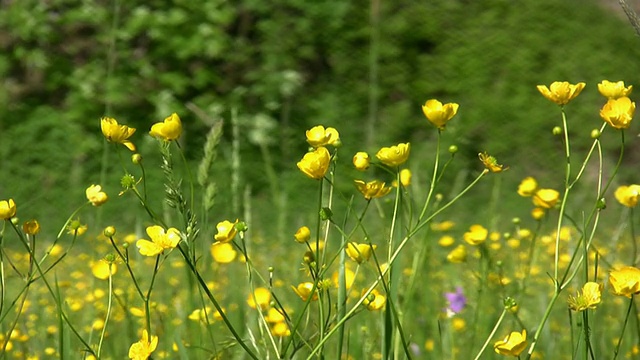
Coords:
624,326
493,332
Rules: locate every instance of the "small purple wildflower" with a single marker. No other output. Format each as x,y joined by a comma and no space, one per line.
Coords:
456,300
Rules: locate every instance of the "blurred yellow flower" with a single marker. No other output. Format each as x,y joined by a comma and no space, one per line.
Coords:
458,255
95,195
7,209
373,189
528,186
618,112
142,349
537,213
439,114
458,324
280,329
628,195
490,163
117,133
394,155
31,227
319,136
405,177
446,241
262,298
476,235
625,281
374,301
168,130
512,345
546,198
361,161
305,290
360,252
588,299
614,90
443,226
226,231
561,92
100,269
274,316
223,253
315,164
349,278
160,240
302,235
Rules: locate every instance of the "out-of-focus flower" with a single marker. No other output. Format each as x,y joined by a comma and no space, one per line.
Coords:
101,269
260,296
160,240
7,209
361,161
274,316
373,189
490,163
628,195
319,136
614,90
305,290
223,253
394,155
31,227
561,92
528,186
226,231
142,349
75,227
349,278
168,130
405,177
302,235
512,345
537,213
439,114
546,198
95,195
360,252
117,133
443,226
456,301
458,255
618,112
446,241
374,301
588,299
280,329
315,164
625,281
476,235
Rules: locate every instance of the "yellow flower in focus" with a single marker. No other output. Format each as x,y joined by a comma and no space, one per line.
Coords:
142,349
561,92
374,301
262,298
101,269
315,164
490,163
95,195
160,240
373,189
168,130
618,112
628,195
394,155
117,133
476,235
458,255
625,281
361,161
223,253
546,198
360,252
590,297
302,235
528,186
439,114
304,290
226,231
7,209
31,227
614,90
512,345
319,136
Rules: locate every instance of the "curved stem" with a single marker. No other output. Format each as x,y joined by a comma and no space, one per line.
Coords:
493,332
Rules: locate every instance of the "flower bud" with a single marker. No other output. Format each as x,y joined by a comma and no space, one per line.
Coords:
109,231
361,161
453,149
326,213
302,235
557,130
136,158
595,133
602,204
242,226
110,258
15,221
31,227
515,220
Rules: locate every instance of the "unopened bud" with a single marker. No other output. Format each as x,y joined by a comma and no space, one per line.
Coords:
109,231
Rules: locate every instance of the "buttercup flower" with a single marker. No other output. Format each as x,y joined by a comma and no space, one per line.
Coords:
490,163
361,161
614,90
319,136
304,291
546,198
262,298
618,112
439,114
476,235
625,281
394,155
359,252
280,329
374,301
168,130
458,255
590,297
226,231
117,133
373,189
405,177
561,92
7,209
527,187
223,253
95,195
142,349
537,213
31,227
303,234
315,164
160,240
628,195
101,269
512,345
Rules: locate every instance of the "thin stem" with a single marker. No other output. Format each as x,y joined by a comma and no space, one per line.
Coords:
624,326
493,332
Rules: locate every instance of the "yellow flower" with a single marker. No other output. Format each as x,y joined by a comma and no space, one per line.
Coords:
614,90
625,281
95,195
168,130
101,269
274,316
7,209
304,290
405,177
117,133
546,198
319,136
315,164
476,235
226,231
360,252
458,255
446,241
561,92
262,298
490,163
394,155
160,240
443,226
373,189
375,300
590,297
142,349
280,329
223,253
512,345
439,114
527,187
31,227
618,112
361,161
537,213
302,235
628,195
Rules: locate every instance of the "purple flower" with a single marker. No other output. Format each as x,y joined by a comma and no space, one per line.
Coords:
456,300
